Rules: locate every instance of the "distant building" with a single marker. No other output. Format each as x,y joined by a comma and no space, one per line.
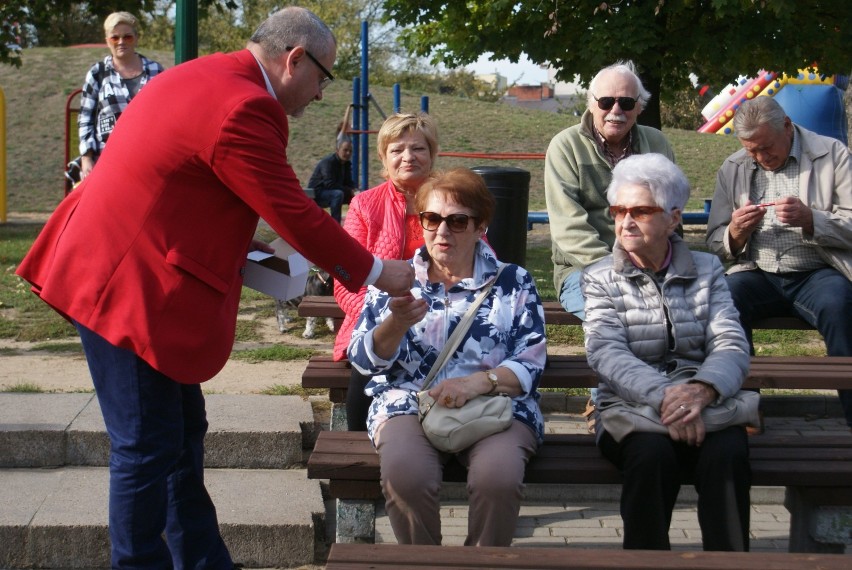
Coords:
545,97
548,95
497,82
531,92
562,88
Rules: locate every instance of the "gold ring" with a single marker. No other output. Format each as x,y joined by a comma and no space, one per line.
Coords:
448,400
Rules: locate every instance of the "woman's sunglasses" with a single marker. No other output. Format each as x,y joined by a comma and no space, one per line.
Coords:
607,103
638,213
456,222
126,37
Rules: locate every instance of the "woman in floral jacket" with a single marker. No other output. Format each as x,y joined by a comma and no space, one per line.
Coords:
397,341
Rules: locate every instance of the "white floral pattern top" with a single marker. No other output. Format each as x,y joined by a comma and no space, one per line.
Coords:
508,331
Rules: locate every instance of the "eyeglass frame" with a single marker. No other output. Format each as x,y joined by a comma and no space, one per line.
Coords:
328,76
446,220
641,217
115,38
602,102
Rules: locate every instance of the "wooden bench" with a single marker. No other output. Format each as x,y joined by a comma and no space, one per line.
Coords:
816,472
393,556
345,459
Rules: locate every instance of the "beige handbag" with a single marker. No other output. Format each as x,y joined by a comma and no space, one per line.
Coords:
453,429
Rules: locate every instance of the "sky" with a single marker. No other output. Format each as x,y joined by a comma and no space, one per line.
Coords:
532,74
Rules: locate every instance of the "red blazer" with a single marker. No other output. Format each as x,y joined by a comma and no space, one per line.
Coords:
149,251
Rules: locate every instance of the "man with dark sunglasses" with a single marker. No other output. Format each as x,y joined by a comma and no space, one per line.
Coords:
578,169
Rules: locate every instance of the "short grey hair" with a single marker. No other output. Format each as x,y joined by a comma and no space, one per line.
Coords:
666,182
620,67
294,26
754,113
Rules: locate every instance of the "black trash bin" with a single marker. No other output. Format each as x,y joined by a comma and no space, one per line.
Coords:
507,233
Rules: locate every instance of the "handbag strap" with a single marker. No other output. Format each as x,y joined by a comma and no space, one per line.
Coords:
461,329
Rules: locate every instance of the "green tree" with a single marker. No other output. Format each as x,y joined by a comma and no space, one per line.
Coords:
717,40
69,22
224,27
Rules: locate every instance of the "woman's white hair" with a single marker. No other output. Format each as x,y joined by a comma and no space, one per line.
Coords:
667,183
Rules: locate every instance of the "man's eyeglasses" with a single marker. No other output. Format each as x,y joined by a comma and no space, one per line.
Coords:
126,37
328,76
638,213
456,222
607,103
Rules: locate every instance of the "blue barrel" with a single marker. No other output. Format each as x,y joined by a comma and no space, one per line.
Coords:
507,233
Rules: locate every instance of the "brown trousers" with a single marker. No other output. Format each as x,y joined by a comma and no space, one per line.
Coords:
411,471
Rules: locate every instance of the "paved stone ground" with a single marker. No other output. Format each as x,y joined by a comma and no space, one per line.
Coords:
593,520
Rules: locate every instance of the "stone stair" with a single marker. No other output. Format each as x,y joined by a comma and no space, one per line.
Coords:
54,481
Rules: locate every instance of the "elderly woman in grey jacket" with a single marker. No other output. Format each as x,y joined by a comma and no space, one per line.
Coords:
664,338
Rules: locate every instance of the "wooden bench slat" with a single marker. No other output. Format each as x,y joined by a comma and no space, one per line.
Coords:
574,459
351,442
554,314
572,371
355,490
766,440
378,556
579,360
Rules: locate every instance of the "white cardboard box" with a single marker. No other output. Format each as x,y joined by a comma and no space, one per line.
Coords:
281,276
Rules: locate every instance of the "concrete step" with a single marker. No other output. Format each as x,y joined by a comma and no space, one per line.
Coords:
57,518
246,431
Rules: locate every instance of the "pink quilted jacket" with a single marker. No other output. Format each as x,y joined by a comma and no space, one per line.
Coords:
376,219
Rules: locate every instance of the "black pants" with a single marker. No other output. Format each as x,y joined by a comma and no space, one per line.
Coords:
653,466
357,403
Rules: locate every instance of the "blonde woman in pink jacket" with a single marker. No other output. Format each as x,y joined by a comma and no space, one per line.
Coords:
385,221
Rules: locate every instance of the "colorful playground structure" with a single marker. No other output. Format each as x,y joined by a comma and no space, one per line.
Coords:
811,100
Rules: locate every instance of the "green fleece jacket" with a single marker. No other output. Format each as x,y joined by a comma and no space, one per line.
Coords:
576,176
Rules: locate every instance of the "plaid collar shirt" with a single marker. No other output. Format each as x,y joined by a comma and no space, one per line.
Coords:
609,153
777,247
104,97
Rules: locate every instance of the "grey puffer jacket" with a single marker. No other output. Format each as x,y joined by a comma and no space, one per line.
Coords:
627,343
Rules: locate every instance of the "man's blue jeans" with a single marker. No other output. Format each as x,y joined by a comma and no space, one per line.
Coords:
572,300
156,428
822,298
571,296
331,199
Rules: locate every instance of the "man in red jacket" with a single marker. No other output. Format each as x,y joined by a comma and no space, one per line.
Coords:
146,258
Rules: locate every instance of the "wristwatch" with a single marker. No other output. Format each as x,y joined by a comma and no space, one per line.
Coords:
493,379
